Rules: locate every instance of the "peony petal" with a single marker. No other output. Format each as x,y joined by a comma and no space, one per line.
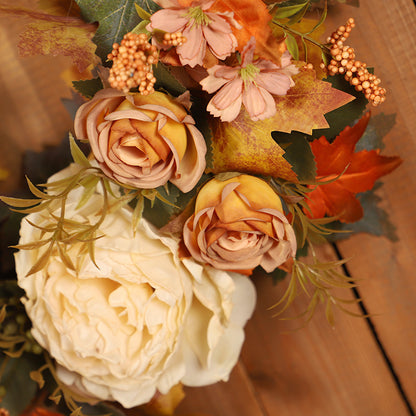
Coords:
177,135
213,81
223,354
248,52
161,103
275,83
192,52
168,20
219,37
258,103
193,163
228,94
228,114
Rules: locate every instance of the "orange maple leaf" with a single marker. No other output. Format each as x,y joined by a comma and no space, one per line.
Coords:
357,172
254,18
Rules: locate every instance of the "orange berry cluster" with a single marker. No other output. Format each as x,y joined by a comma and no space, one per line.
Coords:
132,64
174,39
356,73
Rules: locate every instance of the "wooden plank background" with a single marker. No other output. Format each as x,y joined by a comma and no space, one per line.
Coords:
362,366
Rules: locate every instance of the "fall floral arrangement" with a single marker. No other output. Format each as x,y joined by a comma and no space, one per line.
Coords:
209,151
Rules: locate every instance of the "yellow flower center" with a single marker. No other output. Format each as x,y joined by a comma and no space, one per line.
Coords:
198,15
249,73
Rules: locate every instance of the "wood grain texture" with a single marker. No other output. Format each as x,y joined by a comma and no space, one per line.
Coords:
317,370
32,114
388,268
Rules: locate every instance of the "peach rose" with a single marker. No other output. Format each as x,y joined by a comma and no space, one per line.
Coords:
239,224
142,141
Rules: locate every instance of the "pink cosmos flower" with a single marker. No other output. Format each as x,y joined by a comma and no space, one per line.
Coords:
201,29
253,84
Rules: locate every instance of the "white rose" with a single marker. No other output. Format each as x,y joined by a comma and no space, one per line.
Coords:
139,323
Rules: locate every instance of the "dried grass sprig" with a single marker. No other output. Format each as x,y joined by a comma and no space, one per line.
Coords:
295,196
317,281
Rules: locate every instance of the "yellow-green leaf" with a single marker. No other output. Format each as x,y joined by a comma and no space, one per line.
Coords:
19,202
247,146
143,14
67,38
304,106
77,154
42,261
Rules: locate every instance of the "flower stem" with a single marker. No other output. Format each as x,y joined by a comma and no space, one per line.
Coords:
324,48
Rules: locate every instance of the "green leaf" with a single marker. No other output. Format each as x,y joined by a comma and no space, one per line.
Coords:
198,112
143,14
115,18
165,80
345,115
298,153
42,261
276,275
39,166
299,15
292,46
377,128
321,19
137,213
159,212
20,388
89,87
77,153
9,235
284,12
141,28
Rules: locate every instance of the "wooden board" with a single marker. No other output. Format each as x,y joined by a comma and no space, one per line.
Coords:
388,269
317,370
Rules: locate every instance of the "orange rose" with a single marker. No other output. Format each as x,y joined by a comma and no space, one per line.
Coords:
142,141
239,224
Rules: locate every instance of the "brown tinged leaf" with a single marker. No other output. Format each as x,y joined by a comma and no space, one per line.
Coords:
303,107
247,146
50,34
38,377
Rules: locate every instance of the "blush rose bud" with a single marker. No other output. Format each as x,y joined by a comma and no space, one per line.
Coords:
239,224
142,141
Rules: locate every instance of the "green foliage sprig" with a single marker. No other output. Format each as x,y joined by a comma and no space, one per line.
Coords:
287,15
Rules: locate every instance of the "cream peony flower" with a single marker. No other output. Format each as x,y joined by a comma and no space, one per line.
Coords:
142,321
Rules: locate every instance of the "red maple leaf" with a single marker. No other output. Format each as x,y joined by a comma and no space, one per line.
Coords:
357,172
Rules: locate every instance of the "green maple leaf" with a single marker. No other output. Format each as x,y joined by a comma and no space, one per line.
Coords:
115,19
